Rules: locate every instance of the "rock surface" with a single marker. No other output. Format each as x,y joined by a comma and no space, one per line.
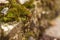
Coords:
54,31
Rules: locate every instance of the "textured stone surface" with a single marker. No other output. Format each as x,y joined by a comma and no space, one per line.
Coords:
54,31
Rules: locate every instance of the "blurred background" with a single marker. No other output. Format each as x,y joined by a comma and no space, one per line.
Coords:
29,19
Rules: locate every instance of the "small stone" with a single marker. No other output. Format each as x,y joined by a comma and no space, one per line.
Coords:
43,12
22,1
31,38
4,10
4,28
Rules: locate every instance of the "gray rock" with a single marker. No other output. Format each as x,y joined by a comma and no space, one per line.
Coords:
54,31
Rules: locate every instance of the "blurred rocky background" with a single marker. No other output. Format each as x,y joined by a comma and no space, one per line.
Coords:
30,20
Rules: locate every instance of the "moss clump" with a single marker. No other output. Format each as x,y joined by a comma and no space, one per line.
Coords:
15,11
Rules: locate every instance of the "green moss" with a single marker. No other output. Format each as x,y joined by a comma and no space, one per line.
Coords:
15,11
29,4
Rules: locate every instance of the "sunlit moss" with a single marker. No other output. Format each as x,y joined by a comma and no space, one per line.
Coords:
29,4
15,11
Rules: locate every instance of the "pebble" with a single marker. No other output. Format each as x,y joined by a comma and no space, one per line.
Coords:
44,12
22,1
4,10
31,38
